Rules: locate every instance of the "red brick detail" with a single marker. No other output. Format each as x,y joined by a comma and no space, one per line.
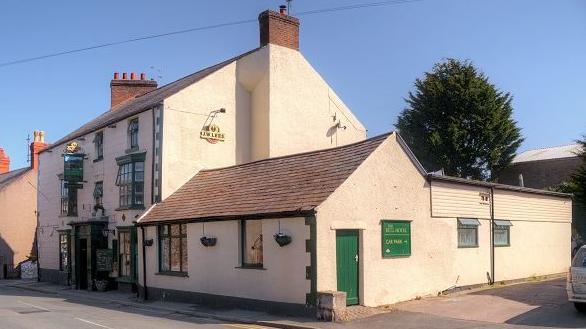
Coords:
36,147
279,29
124,89
4,162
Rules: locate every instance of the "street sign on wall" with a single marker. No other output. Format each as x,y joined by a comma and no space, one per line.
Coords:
396,238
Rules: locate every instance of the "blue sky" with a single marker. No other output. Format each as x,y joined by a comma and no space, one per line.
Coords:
534,49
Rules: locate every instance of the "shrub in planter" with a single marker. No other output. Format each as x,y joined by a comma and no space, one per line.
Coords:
282,239
101,285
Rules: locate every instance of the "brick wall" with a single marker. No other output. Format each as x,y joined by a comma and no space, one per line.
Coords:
279,29
540,174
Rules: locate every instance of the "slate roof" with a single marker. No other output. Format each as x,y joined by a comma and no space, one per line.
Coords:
282,186
144,102
6,178
548,153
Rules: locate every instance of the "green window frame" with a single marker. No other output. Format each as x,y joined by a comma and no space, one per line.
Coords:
173,248
124,253
468,232
130,180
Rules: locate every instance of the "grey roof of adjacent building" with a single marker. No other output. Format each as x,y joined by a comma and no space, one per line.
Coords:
144,102
549,153
8,177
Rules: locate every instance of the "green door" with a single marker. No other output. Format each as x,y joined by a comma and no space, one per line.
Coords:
347,264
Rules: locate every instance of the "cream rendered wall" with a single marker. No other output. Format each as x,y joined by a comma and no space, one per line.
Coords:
215,270
106,170
386,186
276,104
234,88
400,191
18,219
540,235
302,107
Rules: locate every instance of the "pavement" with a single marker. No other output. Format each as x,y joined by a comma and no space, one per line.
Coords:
534,304
527,305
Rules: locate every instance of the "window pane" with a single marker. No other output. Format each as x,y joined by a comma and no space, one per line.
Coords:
175,230
164,250
253,244
139,166
467,237
175,254
183,254
501,236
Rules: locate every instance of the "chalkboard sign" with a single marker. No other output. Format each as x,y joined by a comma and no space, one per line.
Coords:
396,238
104,259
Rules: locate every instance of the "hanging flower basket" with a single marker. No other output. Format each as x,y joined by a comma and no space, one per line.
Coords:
282,239
207,241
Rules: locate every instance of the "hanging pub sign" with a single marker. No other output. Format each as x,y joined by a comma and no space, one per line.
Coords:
396,238
73,163
212,134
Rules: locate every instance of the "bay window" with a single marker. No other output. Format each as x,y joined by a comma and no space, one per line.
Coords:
130,181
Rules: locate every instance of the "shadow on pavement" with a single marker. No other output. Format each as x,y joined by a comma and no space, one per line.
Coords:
108,305
553,308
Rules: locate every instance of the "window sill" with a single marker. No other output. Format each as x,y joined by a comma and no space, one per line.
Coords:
179,274
65,216
251,267
501,245
98,159
130,208
467,247
125,279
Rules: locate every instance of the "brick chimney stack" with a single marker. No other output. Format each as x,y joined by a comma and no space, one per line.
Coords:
4,162
125,89
37,146
279,28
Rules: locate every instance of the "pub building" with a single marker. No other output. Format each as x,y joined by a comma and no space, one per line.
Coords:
251,184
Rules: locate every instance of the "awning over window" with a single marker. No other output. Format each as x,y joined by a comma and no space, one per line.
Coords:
468,221
500,222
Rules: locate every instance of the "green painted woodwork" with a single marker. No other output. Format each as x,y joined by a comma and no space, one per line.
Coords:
347,264
396,238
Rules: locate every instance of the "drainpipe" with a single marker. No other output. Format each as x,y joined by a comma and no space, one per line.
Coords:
144,286
492,235
37,248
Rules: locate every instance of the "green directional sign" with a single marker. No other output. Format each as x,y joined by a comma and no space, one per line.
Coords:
396,238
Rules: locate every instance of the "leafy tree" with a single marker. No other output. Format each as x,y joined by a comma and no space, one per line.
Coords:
578,179
576,185
456,120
